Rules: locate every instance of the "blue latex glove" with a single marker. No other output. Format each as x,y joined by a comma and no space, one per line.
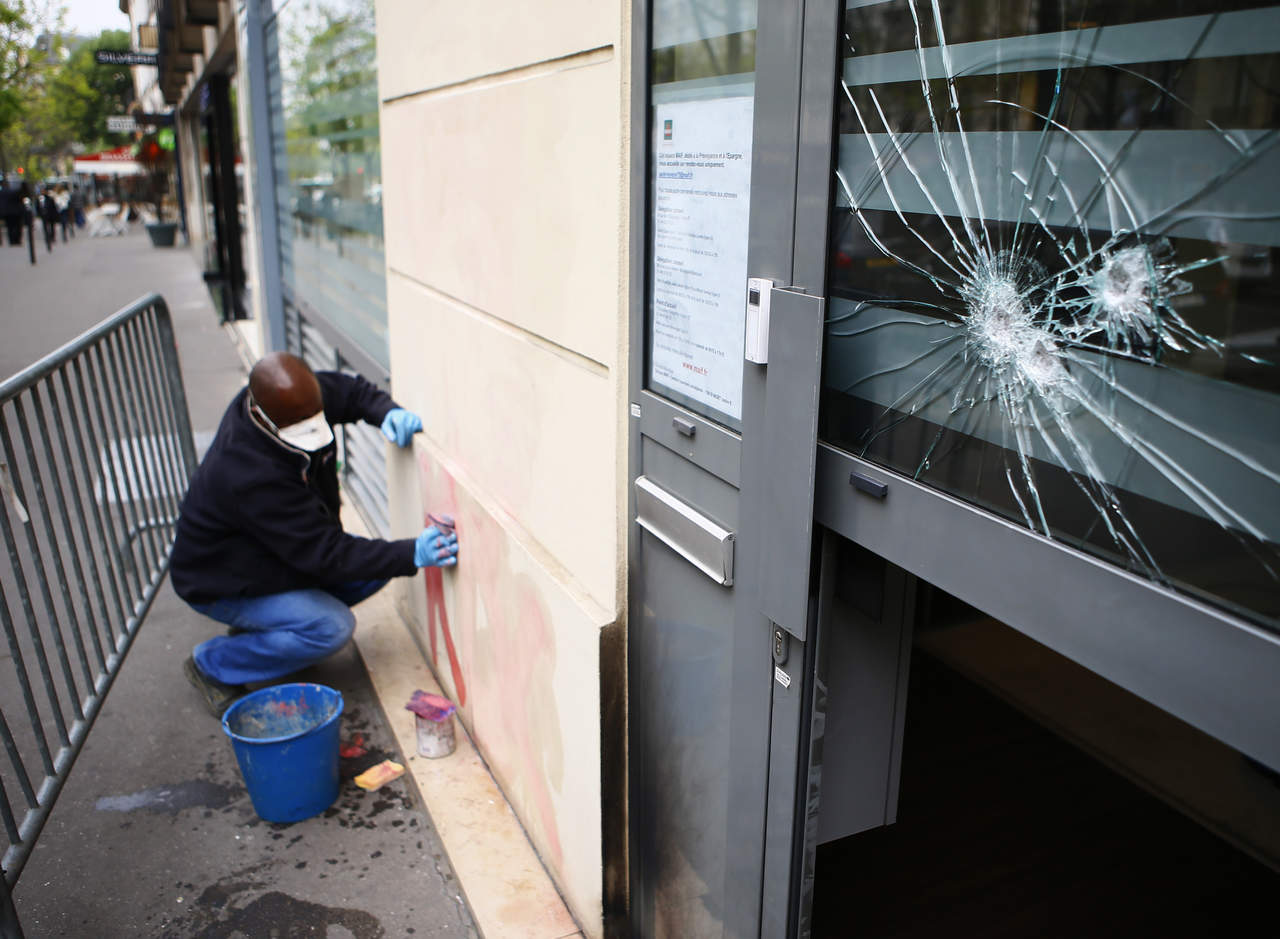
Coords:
400,425
435,549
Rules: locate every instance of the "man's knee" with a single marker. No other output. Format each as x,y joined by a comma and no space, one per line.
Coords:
330,629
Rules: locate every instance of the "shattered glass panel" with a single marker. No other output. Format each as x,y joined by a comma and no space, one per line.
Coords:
1053,274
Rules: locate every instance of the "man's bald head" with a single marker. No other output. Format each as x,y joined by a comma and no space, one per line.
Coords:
285,388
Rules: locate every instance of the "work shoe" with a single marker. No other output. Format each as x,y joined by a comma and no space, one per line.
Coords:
217,696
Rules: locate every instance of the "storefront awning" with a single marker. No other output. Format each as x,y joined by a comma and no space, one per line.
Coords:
109,169
117,162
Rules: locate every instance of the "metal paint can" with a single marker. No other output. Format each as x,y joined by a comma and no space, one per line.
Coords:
435,737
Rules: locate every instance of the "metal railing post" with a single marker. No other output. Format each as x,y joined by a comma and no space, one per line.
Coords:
177,390
10,928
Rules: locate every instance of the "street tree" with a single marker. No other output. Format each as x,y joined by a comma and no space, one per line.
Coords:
84,94
15,60
31,47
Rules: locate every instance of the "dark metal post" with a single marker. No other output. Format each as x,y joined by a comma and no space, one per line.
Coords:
255,61
177,390
222,158
10,928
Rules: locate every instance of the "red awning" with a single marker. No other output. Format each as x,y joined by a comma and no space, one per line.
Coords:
117,162
118,155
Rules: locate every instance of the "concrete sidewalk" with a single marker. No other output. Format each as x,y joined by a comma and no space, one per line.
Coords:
154,834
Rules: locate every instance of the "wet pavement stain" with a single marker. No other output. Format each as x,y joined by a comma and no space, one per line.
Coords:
195,793
272,914
214,868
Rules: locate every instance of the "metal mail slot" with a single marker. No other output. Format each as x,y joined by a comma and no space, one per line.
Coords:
693,536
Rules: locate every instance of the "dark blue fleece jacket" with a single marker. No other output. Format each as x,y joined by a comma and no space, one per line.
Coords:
262,517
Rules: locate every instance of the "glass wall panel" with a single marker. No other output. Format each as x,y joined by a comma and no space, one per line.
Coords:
322,75
1053,273
702,95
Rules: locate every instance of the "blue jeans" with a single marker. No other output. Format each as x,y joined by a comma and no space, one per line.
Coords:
281,632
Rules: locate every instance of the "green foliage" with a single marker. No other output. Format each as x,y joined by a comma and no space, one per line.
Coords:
85,94
15,60
53,95
330,83
31,47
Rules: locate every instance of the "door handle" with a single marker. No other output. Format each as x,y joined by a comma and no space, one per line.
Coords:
684,428
871,486
700,540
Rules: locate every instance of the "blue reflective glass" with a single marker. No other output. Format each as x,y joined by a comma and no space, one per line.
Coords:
322,74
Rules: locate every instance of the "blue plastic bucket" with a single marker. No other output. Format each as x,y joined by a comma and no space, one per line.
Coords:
286,741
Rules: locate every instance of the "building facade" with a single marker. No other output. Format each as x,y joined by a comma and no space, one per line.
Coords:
841,405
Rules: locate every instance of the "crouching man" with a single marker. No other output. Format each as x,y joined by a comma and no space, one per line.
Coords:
260,545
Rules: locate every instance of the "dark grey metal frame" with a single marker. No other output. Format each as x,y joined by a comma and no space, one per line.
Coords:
92,400
230,276
1213,670
620,901
1199,663
254,55
752,462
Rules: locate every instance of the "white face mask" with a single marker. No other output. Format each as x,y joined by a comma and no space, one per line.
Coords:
311,435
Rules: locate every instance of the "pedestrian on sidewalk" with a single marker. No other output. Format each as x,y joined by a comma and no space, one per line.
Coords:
63,200
260,545
12,212
29,213
77,207
47,209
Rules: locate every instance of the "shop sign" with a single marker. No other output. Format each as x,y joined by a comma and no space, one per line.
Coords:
121,124
119,57
118,155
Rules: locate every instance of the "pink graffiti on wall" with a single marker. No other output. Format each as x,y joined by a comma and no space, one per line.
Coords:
438,615
511,664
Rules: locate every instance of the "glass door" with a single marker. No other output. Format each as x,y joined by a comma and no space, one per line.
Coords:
698,670
1040,240
1050,380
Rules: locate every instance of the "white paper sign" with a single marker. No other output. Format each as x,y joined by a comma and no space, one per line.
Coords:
702,160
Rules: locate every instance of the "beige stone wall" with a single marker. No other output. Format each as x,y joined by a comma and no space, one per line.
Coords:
504,173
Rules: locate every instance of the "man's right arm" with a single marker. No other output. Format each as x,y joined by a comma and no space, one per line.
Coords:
291,526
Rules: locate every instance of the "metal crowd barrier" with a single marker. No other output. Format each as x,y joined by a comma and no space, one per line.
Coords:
96,451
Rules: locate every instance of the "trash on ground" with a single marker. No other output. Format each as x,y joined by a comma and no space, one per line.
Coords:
378,776
353,748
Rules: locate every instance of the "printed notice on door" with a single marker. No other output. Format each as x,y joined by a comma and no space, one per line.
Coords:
702,163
